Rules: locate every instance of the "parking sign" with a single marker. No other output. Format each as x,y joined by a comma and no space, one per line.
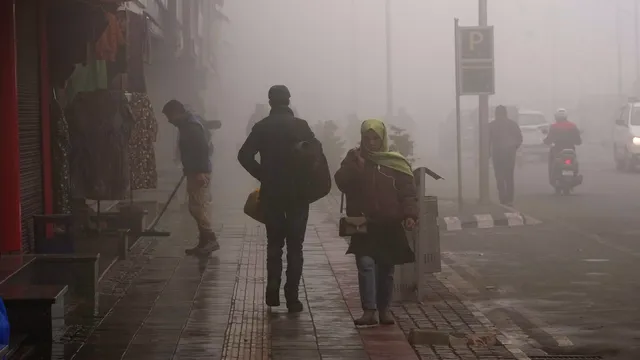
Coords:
475,60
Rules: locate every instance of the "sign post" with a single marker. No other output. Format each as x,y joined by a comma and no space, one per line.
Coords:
475,75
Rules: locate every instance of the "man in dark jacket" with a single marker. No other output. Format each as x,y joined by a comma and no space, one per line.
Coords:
286,209
505,138
195,150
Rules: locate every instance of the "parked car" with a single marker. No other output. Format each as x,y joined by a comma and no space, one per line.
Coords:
534,126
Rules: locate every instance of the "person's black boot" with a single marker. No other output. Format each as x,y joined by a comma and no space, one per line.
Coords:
294,305
272,293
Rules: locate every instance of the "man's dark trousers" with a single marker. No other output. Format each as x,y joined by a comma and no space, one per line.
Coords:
286,224
504,165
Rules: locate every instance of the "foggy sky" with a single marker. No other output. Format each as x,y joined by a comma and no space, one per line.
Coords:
549,53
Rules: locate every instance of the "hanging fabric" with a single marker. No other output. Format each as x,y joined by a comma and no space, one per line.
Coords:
137,52
60,151
87,78
112,38
71,25
100,124
119,65
142,157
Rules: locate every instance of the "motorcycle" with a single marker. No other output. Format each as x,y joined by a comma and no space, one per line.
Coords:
565,175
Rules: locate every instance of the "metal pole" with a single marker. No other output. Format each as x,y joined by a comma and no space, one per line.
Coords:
354,57
637,39
483,123
389,65
458,125
619,43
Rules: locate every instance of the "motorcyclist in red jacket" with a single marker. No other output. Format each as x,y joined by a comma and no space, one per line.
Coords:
562,135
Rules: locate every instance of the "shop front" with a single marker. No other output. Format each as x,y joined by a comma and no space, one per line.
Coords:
25,158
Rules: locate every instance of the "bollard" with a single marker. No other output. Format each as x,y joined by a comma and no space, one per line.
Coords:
425,242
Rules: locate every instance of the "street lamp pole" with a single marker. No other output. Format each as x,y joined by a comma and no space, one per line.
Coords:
637,40
619,47
390,104
354,57
483,125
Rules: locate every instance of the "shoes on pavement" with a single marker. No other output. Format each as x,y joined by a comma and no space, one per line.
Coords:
272,293
291,295
207,243
294,306
368,318
386,318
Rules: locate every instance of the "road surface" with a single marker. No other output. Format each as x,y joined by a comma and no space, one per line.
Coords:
570,283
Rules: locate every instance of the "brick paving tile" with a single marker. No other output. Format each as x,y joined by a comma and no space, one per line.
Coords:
442,310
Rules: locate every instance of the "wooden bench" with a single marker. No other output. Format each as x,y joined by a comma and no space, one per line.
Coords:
30,309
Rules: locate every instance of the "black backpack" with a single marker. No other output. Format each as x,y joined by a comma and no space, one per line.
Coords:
315,178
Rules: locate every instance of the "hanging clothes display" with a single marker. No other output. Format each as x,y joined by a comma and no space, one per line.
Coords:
100,124
142,157
60,150
71,25
112,38
119,65
87,78
137,52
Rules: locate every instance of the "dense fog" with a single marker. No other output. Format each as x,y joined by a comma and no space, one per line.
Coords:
331,54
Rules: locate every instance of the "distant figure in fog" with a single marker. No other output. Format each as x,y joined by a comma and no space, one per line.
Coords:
285,208
505,139
379,185
261,111
194,143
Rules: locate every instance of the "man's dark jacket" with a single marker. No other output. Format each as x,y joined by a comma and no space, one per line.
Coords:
504,136
275,138
194,145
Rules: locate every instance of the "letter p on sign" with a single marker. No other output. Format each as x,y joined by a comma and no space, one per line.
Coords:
475,39
476,43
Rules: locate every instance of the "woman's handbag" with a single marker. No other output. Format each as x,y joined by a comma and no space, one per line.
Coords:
252,206
351,225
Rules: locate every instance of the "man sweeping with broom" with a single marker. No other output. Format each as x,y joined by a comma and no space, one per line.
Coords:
195,152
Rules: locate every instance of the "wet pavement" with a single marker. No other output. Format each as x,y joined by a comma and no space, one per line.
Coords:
161,304
568,284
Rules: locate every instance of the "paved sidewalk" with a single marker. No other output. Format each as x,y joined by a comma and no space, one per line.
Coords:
161,304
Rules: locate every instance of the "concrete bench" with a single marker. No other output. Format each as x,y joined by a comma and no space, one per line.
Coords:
31,310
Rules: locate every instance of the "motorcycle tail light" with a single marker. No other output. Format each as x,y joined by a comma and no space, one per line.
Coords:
567,161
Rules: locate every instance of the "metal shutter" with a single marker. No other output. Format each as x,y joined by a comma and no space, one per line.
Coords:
28,70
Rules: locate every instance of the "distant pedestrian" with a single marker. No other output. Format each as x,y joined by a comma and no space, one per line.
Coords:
505,139
194,144
260,112
285,206
379,186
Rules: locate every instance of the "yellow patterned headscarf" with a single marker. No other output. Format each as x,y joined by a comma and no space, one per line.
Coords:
390,159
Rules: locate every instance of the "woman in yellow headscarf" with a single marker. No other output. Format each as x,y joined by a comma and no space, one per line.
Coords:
379,185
